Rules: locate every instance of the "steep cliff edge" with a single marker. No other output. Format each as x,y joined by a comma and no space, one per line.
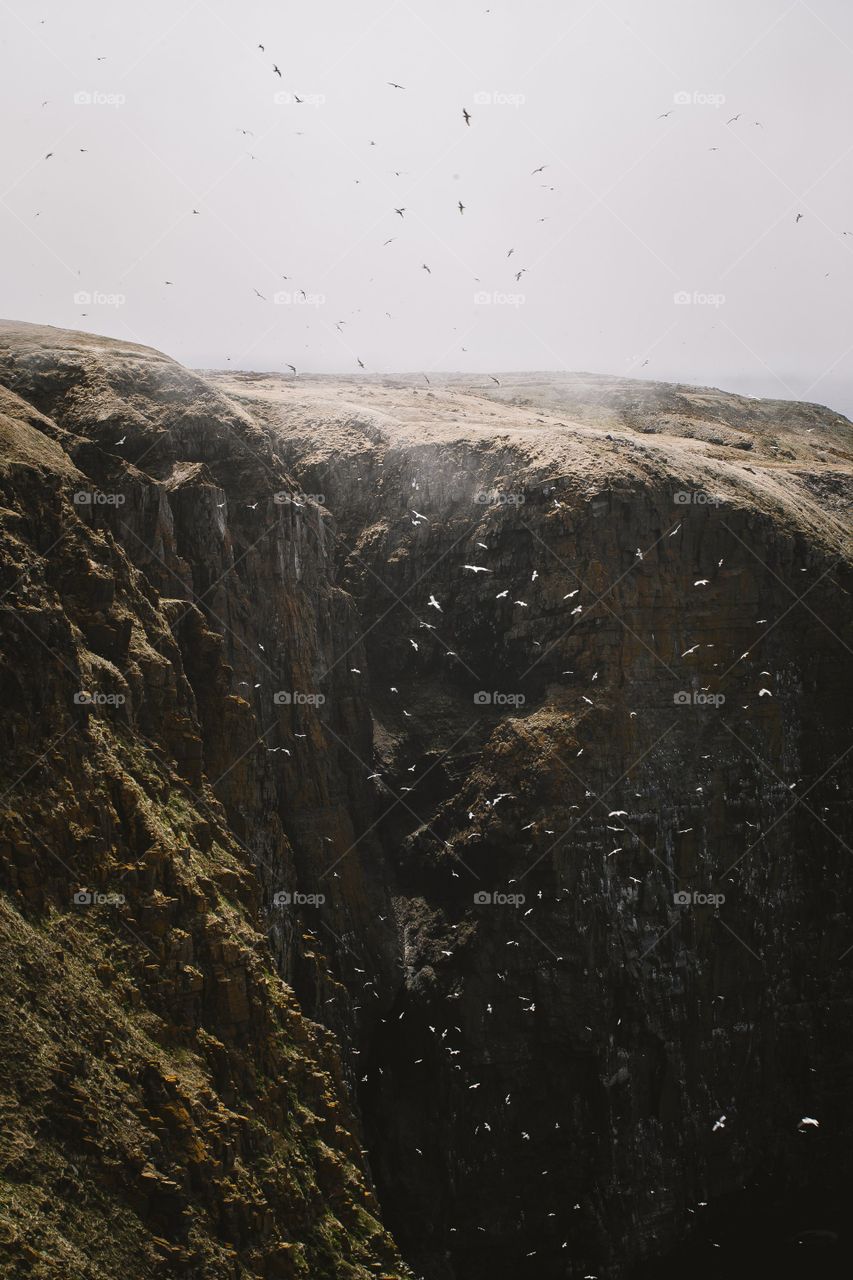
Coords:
168,1108
501,731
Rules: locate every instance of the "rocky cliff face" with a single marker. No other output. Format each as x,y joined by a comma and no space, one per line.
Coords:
472,763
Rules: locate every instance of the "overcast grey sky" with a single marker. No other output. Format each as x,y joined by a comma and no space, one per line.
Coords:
142,107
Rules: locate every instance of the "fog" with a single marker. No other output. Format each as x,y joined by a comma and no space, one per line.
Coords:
663,246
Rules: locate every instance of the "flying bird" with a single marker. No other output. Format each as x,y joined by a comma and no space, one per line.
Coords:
541,169
276,71
476,568
395,86
467,115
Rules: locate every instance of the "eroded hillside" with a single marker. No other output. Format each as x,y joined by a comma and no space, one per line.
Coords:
472,764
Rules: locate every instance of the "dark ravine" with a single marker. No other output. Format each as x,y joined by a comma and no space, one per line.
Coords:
202,1081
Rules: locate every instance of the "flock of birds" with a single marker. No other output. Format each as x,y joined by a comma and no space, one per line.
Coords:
467,120
442,602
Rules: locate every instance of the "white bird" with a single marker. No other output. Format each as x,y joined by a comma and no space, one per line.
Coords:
523,603
432,603
701,582
689,651
618,813
417,515
764,693
476,568
572,593
502,594
414,644
481,544
719,1124
808,1122
578,609
355,671
535,575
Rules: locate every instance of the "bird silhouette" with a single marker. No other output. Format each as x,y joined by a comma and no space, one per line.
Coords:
467,115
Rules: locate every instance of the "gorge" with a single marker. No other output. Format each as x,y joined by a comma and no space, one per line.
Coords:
426,823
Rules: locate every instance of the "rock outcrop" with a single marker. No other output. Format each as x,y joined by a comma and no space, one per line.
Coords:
471,767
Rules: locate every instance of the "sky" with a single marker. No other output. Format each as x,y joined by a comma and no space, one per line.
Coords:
642,163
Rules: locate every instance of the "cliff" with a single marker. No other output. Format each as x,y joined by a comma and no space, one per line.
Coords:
458,775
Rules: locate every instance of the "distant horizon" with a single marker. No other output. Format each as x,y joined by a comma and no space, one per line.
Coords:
364,375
